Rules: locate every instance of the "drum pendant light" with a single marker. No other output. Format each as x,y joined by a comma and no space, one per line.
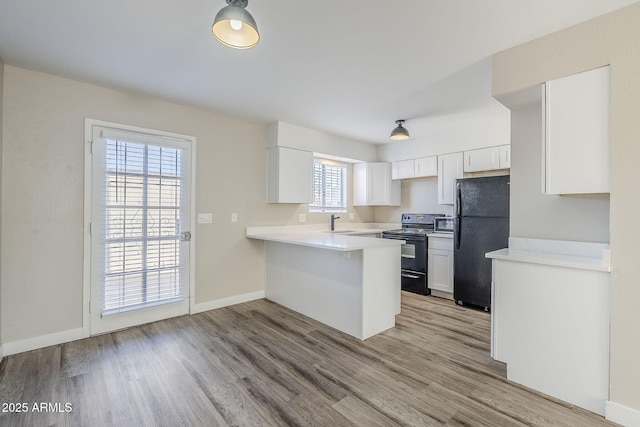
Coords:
233,26
399,133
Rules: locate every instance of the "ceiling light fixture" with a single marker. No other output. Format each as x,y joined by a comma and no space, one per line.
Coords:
235,27
399,133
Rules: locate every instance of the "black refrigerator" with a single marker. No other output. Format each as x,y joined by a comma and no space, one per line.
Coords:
481,225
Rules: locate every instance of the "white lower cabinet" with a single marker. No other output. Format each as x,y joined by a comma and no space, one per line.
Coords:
440,266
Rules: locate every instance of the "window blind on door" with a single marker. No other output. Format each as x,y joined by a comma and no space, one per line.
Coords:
143,196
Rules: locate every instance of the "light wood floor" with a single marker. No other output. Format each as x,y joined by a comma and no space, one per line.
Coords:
258,364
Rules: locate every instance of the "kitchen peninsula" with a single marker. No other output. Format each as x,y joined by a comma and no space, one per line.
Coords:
344,280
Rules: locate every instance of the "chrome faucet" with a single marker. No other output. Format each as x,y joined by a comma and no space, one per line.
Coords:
333,221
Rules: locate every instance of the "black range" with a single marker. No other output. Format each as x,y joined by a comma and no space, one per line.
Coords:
415,228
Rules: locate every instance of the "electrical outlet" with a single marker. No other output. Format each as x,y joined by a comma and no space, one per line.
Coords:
234,217
205,218
346,255
302,218
352,216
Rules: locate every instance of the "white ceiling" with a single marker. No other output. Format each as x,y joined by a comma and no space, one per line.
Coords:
346,67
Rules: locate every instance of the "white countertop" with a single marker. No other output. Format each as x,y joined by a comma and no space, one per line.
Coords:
578,255
345,239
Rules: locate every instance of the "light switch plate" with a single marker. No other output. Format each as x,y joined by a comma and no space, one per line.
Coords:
302,218
205,218
352,216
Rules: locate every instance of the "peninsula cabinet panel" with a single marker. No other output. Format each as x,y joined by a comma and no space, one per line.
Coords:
576,133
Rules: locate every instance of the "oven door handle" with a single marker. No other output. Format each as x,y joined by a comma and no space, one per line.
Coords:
408,256
408,239
393,236
409,276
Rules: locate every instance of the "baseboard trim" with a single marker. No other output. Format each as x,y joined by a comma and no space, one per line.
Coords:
14,347
622,414
225,302
42,341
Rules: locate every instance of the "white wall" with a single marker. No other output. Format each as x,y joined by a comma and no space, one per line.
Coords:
484,126
610,39
287,135
42,197
539,216
419,195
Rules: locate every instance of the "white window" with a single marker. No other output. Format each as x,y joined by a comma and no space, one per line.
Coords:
329,186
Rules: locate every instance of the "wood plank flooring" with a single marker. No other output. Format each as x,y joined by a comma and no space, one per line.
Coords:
259,364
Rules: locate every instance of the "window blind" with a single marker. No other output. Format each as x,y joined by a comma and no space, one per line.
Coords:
329,187
142,215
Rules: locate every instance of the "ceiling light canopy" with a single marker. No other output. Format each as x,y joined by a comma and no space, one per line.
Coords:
235,27
399,133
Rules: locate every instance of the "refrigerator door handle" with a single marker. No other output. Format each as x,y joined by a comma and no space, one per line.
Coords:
458,200
458,229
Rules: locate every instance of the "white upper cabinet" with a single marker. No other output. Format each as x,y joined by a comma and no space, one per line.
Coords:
576,133
449,169
505,157
372,185
289,175
403,169
415,168
483,159
426,166
487,159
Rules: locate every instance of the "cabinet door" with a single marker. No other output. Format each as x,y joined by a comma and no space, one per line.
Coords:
505,156
402,169
426,166
289,175
379,182
372,185
440,272
576,140
449,169
360,193
484,159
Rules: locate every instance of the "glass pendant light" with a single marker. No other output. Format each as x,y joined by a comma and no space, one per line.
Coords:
399,133
233,26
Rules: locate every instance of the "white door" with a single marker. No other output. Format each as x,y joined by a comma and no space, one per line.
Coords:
140,222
